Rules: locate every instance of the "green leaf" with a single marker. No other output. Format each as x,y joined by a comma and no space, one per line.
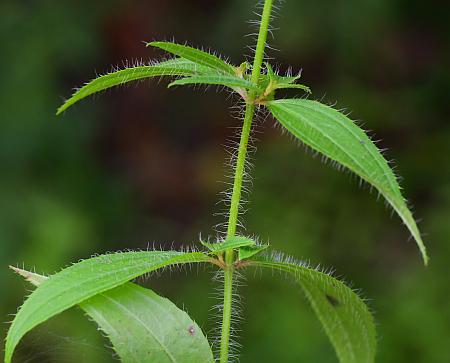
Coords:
344,316
246,252
333,134
216,79
84,280
195,55
229,243
186,65
173,67
272,76
143,326
270,72
33,278
293,86
241,71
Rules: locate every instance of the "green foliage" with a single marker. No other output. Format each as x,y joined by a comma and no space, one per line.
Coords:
334,135
144,326
174,67
292,86
344,316
246,252
271,81
33,278
216,79
141,325
196,56
234,242
246,247
84,280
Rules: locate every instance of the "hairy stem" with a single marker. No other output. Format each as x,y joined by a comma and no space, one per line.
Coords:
238,180
262,38
226,320
239,172
232,223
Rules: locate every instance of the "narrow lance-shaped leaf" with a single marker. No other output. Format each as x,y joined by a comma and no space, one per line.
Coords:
246,252
292,86
215,79
143,326
84,280
195,55
173,67
271,75
344,316
333,134
274,81
229,243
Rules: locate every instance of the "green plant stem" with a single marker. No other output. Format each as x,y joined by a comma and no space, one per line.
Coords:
238,180
239,172
229,254
226,319
262,38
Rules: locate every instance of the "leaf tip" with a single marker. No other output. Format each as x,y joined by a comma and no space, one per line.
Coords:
425,257
31,277
152,44
172,84
421,245
15,269
63,107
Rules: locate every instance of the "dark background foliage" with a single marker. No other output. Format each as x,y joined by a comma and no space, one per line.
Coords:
142,165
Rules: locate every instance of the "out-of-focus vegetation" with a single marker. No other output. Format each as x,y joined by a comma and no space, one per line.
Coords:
128,169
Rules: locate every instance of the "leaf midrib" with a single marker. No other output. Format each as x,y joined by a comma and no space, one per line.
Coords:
397,200
366,174
128,311
297,271
327,137
375,157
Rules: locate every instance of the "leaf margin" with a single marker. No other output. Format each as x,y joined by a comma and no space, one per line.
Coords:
27,323
171,68
95,309
398,204
290,266
195,55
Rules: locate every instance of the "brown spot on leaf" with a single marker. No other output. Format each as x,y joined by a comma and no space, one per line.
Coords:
332,300
191,330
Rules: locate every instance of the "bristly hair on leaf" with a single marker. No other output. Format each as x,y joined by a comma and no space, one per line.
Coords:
335,136
345,317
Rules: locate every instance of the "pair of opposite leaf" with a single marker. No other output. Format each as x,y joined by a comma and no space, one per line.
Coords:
101,285
144,327
321,127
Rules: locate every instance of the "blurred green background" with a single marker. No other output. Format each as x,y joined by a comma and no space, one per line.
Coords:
142,165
